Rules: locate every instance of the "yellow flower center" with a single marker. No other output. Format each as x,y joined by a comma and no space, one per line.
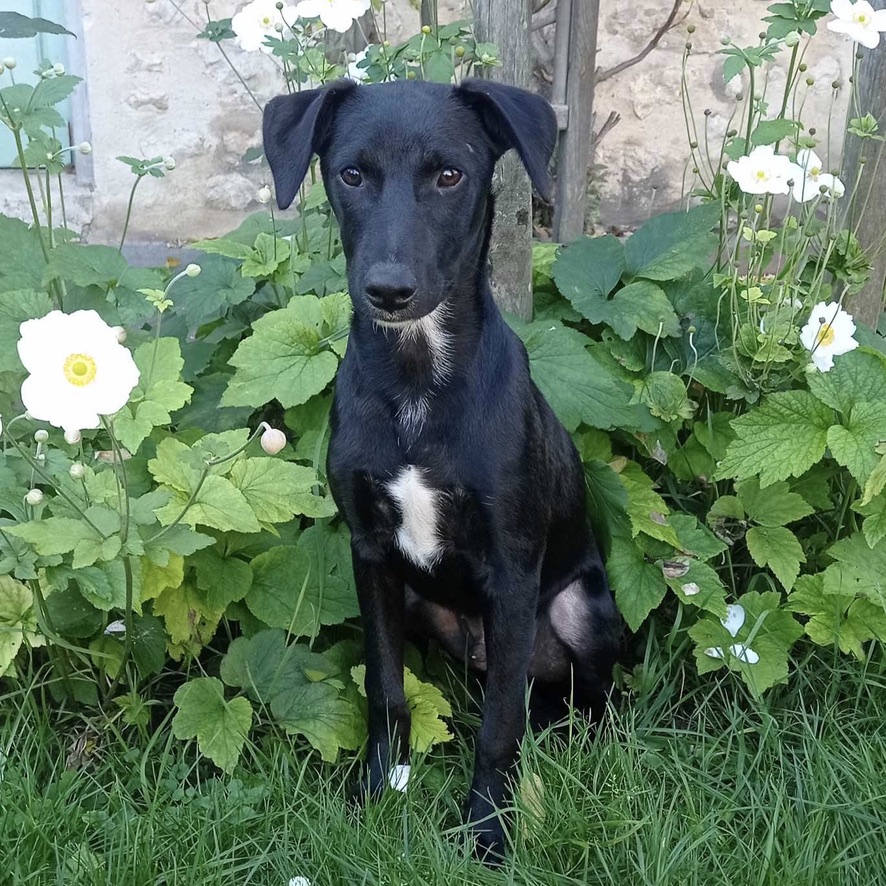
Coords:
815,172
825,337
860,18
761,175
266,21
80,369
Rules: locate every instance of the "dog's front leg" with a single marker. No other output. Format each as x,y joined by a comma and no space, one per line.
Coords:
509,624
381,597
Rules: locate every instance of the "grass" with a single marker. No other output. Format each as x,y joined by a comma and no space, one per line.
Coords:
692,782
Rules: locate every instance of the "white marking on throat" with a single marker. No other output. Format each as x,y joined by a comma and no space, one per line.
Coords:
418,502
431,328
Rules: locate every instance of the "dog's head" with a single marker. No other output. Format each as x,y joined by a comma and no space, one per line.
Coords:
407,168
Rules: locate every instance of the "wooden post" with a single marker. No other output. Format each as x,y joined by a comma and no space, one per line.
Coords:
428,12
507,24
576,142
868,213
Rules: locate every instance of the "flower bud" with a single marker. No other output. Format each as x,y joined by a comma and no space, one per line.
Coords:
9,62
426,29
802,67
77,471
41,436
264,195
792,38
72,438
273,440
84,148
58,69
410,75
690,29
120,332
459,52
193,270
758,207
34,497
810,81
836,84
169,163
725,41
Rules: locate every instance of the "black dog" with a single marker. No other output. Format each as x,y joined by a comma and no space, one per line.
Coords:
463,493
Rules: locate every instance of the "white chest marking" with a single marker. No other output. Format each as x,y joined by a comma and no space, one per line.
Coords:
418,502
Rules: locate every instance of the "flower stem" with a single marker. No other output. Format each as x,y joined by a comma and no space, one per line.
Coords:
20,150
138,178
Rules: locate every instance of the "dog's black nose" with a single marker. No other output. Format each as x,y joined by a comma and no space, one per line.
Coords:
390,287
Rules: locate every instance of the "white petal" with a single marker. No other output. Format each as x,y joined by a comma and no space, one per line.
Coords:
880,19
842,8
399,777
714,652
734,620
823,360
867,36
744,653
839,26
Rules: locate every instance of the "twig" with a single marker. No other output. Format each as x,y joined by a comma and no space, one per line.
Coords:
611,122
670,22
539,5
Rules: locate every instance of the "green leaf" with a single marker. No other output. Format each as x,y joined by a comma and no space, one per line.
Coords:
587,271
639,586
775,505
60,535
608,501
438,67
777,548
277,490
225,247
672,244
86,265
70,613
768,132
206,297
853,444
160,391
642,305
876,481
218,504
665,395
694,538
267,255
646,508
834,619
285,358
698,586
190,621
16,307
220,726
300,688
223,580
782,437
732,67
578,386
766,629
23,263
427,705
16,617
859,569
874,512
856,377
16,25
300,587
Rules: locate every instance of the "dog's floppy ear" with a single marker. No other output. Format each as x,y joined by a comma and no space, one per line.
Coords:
293,129
516,118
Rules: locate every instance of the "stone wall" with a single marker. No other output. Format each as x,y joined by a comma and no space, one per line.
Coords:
153,89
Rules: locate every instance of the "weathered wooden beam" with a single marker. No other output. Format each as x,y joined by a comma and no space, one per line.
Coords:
576,142
507,24
867,158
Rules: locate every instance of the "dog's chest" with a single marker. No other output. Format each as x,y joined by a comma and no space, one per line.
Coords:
430,520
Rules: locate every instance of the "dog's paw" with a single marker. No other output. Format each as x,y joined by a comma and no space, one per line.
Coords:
490,842
368,787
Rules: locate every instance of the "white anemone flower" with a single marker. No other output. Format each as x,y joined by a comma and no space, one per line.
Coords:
78,370
858,21
337,15
258,20
809,179
762,171
828,334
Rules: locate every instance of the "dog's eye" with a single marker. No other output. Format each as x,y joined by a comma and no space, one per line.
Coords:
449,178
351,176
